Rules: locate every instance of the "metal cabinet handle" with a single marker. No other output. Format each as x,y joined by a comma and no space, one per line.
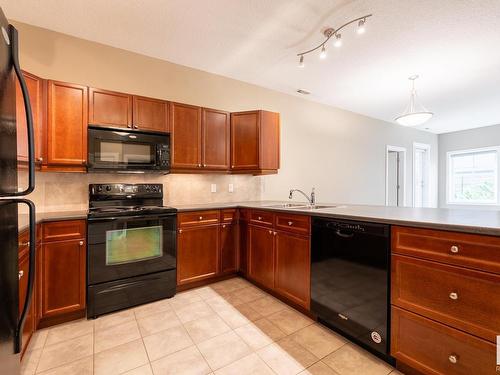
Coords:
260,218
80,243
453,296
453,358
454,249
180,230
199,165
136,126
223,225
270,232
129,126
201,217
21,274
22,244
39,160
275,233
290,222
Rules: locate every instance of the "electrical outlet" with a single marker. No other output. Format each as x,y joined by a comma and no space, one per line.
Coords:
230,188
213,188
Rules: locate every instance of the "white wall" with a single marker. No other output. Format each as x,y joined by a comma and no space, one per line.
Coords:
487,136
339,152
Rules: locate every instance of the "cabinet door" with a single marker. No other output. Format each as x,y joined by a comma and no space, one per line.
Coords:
245,140
150,114
197,253
29,325
37,97
216,129
293,268
63,277
109,108
228,248
185,125
261,256
67,124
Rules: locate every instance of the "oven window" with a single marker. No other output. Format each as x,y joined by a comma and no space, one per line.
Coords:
129,153
133,245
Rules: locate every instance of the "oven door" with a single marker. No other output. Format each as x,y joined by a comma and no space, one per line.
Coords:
115,150
122,247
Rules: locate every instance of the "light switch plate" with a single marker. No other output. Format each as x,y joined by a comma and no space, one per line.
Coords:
230,188
213,188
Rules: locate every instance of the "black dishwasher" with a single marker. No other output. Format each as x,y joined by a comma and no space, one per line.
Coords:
350,280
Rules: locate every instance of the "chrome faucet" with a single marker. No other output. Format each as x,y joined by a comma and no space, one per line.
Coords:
311,199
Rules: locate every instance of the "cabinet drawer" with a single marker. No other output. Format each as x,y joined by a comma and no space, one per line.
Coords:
228,216
293,223
465,299
187,219
63,230
461,249
265,218
433,348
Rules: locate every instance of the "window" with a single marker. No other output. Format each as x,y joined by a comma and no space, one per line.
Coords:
473,176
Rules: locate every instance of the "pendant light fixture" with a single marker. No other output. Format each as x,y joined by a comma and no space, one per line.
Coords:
415,114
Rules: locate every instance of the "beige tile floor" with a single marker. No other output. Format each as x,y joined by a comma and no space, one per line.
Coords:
230,327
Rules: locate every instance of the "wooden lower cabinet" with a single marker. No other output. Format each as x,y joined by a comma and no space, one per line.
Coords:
434,348
197,253
261,255
293,267
30,322
63,277
228,248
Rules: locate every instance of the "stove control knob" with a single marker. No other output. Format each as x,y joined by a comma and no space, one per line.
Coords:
147,188
108,188
99,188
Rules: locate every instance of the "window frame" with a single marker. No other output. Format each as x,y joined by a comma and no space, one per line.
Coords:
449,172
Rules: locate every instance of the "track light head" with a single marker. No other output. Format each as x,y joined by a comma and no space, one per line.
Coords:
301,61
338,40
322,54
361,26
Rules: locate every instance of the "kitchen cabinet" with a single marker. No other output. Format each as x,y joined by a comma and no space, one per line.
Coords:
23,268
197,253
261,255
279,254
37,91
185,125
150,114
110,108
293,264
228,242
66,136
444,297
63,267
215,139
255,142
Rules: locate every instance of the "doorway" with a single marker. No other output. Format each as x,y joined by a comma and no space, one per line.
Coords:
421,165
395,176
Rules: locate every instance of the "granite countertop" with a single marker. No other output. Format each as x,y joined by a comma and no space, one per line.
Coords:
460,220
468,221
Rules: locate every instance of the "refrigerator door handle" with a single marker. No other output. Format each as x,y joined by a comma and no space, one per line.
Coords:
31,275
29,114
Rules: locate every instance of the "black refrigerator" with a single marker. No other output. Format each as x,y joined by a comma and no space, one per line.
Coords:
16,212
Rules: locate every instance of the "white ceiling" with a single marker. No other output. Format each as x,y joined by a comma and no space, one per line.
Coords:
452,44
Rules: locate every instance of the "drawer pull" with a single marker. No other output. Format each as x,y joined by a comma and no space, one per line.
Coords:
453,295
180,230
453,358
201,217
21,274
223,225
22,244
80,243
342,316
270,232
259,218
454,249
275,233
290,222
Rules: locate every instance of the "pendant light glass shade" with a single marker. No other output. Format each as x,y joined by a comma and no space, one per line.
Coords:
415,114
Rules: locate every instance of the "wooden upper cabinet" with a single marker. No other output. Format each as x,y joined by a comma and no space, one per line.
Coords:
66,125
255,142
150,114
110,108
216,139
185,124
37,97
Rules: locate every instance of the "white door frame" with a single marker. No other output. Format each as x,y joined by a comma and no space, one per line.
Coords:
427,148
403,185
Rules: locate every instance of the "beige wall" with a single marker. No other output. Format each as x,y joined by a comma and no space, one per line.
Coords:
340,152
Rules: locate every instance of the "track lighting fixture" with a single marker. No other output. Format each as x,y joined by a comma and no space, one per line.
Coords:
331,32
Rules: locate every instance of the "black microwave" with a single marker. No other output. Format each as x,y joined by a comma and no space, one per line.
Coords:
114,150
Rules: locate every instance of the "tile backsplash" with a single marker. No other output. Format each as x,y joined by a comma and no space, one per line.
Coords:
69,191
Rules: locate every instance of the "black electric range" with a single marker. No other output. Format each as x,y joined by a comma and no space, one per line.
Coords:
131,254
